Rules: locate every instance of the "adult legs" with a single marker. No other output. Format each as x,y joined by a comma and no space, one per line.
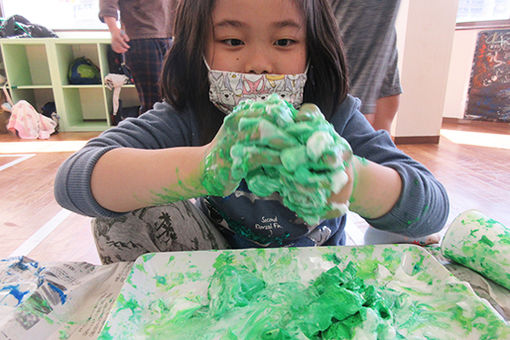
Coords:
386,105
385,110
389,96
369,37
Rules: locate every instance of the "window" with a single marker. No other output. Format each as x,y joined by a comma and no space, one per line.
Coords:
57,14
483,13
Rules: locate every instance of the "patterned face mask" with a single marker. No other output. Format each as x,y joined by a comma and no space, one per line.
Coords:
227,89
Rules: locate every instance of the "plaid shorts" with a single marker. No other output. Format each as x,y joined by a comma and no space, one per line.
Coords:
145,60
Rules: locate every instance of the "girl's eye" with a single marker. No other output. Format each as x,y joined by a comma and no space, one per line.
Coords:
283,42
233,42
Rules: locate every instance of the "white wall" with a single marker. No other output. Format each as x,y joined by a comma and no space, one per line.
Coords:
459,75
425,29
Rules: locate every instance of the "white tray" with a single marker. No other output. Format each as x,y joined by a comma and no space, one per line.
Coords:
162,284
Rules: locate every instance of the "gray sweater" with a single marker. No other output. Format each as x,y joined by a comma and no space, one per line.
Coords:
250,221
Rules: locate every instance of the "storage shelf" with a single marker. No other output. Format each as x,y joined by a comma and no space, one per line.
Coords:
89,126
25,41
38,97
37,71
92,86
68,52
26,64
30,87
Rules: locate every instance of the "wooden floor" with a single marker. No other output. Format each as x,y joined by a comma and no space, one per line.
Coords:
472,160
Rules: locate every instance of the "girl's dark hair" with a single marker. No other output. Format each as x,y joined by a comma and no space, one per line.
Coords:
184,82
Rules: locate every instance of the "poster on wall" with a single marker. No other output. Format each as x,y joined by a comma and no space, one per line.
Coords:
489,88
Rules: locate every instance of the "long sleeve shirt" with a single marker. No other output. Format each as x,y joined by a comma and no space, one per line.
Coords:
141,19
251,221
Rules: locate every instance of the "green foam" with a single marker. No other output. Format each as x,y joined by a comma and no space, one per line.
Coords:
242,305
480,243
276,148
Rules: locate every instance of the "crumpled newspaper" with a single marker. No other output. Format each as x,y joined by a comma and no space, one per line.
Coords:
498,296
58,300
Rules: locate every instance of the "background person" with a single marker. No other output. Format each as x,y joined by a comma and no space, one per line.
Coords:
144,37
367,28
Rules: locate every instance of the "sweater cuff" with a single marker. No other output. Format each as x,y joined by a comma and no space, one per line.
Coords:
108,12
73,189
405,217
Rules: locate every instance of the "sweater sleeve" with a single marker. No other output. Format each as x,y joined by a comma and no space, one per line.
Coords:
108,8
423,205
157,129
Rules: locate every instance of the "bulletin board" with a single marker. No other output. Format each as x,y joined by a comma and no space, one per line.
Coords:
489,88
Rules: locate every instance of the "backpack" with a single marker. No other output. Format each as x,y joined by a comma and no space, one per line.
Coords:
83,71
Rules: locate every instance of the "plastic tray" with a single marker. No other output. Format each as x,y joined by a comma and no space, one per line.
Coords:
438,305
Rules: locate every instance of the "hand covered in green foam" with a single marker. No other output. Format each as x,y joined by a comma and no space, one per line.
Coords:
295,153
243,130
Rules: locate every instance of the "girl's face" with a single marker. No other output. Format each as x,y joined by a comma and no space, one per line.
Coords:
257,36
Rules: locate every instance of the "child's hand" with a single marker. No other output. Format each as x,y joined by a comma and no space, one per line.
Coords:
303,159
249,138
216,170
321,186
278,149
326,179
217,176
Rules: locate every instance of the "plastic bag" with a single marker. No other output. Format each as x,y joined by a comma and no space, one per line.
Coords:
18,26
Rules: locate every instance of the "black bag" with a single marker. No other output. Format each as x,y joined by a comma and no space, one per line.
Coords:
124,112
18,26
50,110
117,65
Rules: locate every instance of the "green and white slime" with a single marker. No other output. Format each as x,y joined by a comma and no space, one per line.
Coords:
242,305
371,292
277,148
480,243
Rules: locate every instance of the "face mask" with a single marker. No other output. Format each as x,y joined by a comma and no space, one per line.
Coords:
227,89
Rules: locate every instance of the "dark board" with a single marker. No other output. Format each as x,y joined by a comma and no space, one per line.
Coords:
489,88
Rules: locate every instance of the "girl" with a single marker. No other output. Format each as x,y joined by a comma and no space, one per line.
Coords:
166,154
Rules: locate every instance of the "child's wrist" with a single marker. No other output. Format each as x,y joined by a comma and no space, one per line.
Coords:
357,165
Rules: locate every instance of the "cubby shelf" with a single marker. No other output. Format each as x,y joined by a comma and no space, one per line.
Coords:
25,87
37,70
93,86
